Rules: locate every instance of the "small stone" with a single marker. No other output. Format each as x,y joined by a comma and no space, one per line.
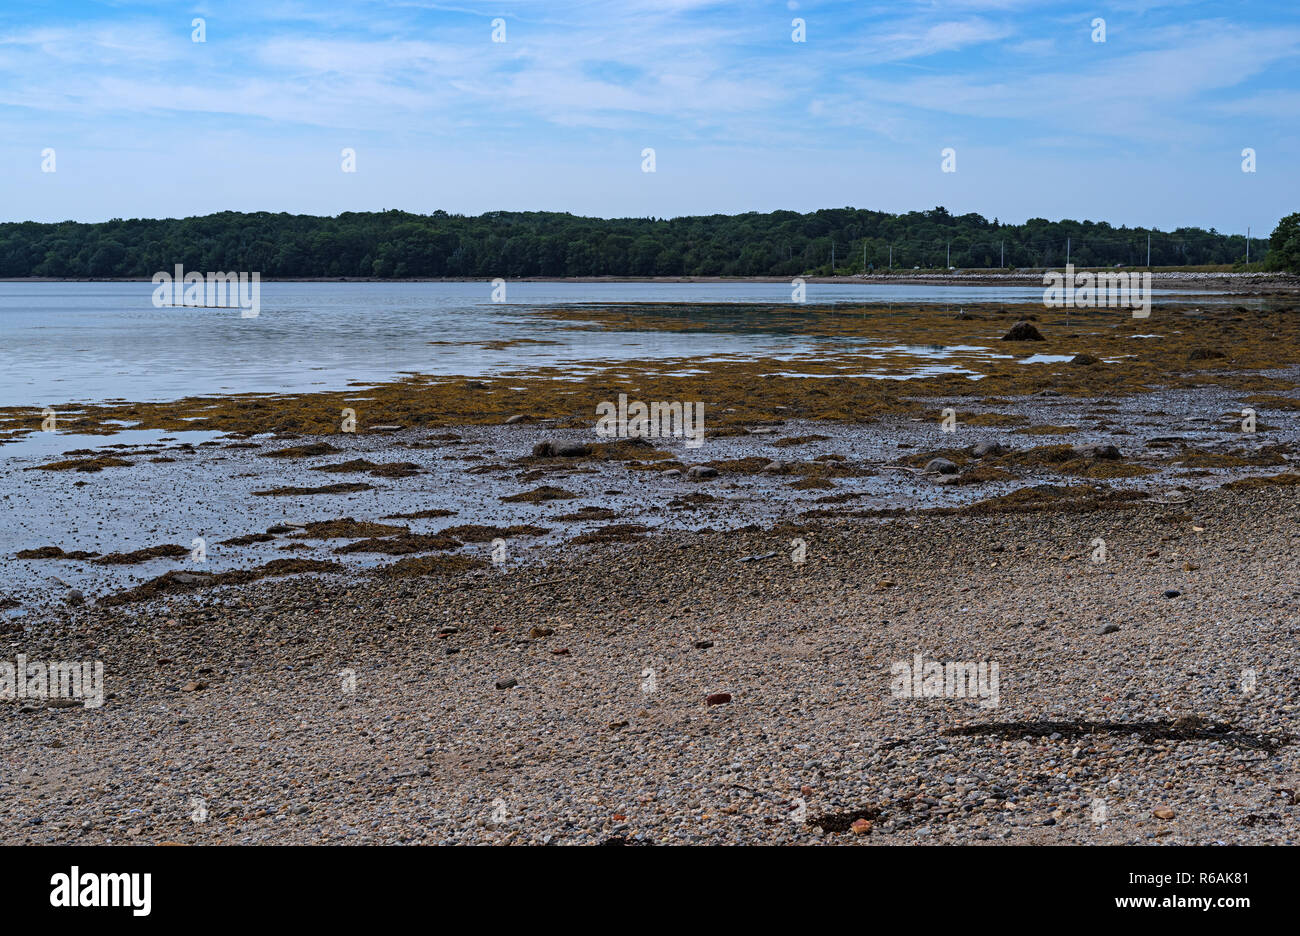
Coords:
1186,722
538,632
1163,812
1172,593
860,827
194,686
508,683
560,651
718,698
75,597
983,449
703,644
1110,629
517,418
701,471
1085,359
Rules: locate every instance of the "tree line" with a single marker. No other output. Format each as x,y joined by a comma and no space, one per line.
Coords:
397,244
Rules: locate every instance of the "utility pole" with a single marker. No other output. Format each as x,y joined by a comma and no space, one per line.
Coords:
1248,244
1004,255
1148,251
1067,253
864,256
949,263
832,258
891,258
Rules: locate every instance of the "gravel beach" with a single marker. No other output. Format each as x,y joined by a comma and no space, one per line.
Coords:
300,711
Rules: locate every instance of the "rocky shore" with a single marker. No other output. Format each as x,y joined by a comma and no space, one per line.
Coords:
1047,595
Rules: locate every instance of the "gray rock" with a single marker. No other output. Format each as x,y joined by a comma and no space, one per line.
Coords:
701,471
940,466
517,418
508,683
982,449
75,597
561,450
673,473
1110,629
1085,359
1096,450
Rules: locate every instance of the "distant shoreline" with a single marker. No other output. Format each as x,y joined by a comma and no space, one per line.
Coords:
1021,277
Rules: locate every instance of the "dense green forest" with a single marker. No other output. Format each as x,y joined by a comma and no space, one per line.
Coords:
517,244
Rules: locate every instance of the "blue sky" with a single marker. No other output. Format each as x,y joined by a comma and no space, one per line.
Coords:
1146,128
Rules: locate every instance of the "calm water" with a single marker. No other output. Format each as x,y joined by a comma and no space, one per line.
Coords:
75,342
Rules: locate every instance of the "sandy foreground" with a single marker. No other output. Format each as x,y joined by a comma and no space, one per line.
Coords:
301,711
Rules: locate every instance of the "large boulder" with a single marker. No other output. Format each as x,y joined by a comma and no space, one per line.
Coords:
1023,331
